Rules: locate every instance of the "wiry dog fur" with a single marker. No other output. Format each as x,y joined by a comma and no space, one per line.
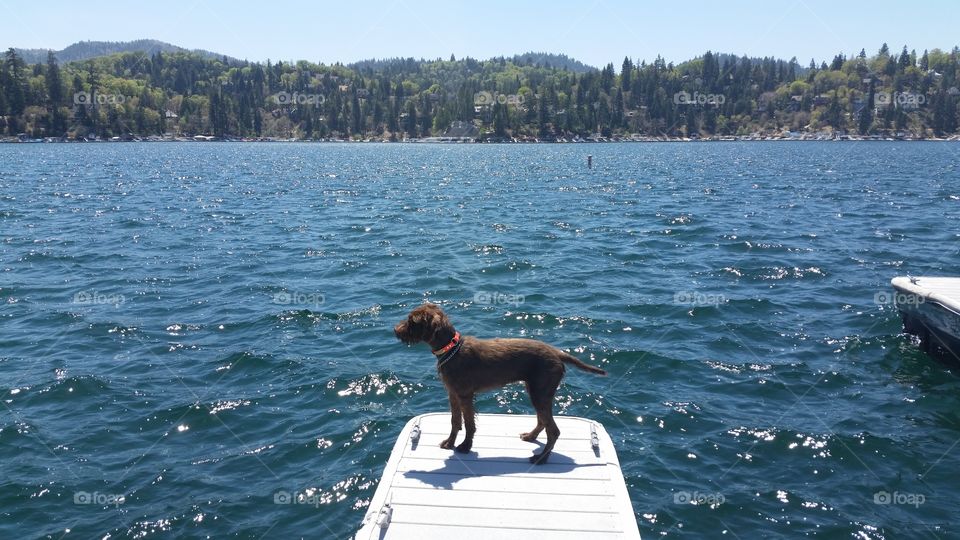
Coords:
485,364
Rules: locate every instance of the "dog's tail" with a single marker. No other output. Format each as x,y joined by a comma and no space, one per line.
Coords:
573,360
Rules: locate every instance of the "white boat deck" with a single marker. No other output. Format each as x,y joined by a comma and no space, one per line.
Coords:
494,491
942,290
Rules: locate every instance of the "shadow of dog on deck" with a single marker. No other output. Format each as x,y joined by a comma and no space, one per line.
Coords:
462,466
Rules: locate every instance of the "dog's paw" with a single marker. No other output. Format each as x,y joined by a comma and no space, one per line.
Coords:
529,437
465,446
447,444
540,459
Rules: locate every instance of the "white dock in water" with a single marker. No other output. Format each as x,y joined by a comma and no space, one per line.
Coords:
494,491
930,308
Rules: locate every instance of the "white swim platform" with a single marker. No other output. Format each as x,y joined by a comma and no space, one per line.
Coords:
494,491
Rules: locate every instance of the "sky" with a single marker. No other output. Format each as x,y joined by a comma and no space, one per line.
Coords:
593,31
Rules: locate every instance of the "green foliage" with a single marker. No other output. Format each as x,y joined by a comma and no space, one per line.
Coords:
187,94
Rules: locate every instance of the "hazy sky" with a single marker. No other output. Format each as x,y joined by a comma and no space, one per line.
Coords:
593,31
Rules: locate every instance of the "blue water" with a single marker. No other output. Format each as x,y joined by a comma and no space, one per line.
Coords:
187,329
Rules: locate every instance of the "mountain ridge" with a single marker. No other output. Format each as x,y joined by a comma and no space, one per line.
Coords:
88,49
533,59
85,50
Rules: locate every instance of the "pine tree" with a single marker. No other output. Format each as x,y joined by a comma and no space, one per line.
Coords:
710,71
866,113
57,120
618,113
425,118
838,61
606,78
15,82
356,117
410,125
626,72
542,115
54,83
904,61
891,67
499,119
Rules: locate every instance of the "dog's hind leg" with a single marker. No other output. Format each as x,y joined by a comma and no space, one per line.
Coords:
469,421
532,435
542,398
456,422
553,433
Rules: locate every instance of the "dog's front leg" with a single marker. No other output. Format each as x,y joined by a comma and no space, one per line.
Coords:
456,422
466,406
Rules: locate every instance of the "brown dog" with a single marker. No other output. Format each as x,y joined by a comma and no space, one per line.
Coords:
468,365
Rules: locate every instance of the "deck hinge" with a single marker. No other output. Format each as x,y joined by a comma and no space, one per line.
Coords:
386,514
415,435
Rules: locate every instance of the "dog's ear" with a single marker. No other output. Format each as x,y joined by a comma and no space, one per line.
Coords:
438,322
435,324
419,323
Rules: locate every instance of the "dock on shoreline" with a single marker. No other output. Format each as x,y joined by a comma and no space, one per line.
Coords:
505,140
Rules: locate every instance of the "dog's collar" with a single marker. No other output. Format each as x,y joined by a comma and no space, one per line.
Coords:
445,354
446,348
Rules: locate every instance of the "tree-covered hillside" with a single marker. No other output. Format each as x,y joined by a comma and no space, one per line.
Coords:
186,94
84,50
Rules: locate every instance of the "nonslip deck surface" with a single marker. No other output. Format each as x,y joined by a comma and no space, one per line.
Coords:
494,491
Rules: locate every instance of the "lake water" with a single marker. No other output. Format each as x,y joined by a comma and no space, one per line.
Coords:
188,329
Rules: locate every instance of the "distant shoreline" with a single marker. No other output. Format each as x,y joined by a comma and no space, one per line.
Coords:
439,141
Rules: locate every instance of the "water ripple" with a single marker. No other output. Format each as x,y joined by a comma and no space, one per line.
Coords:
195,330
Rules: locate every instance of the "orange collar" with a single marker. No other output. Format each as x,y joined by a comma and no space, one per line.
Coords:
446,348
